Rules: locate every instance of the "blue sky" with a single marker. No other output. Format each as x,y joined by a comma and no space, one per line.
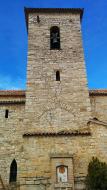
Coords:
13,40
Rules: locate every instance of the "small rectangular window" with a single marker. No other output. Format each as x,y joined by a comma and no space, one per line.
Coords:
57,75
6,113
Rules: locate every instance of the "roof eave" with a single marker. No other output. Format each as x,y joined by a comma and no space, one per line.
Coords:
51,10
99,92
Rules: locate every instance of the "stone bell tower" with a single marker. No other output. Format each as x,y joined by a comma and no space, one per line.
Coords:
57,101
57,94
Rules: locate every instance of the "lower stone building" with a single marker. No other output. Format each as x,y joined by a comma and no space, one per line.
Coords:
50,132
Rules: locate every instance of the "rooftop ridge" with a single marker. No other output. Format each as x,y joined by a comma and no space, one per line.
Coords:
49,10
98,92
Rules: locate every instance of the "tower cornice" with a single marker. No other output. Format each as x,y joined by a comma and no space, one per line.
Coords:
52,11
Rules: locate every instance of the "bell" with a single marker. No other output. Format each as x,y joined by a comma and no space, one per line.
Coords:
55,40
55,37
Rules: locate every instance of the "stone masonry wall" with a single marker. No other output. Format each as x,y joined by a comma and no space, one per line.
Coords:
51,103
82,148
99,107
39,150
11,146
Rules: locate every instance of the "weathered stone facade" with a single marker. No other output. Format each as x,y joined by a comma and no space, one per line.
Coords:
55,126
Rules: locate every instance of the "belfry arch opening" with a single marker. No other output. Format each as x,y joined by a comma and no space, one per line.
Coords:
13,172
54,37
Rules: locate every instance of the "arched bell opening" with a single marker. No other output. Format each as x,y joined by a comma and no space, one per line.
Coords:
54,38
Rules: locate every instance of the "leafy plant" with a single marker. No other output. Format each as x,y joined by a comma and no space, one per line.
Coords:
97,175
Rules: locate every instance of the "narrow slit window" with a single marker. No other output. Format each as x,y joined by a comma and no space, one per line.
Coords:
38,19
6,113
13,171
57,75
54,38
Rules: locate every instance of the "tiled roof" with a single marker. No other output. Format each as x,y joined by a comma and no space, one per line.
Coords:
80,132
98,92
12,92
12,97
3,102
53,10
22,93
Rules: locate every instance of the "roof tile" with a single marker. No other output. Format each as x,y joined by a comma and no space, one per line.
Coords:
83,132
12,92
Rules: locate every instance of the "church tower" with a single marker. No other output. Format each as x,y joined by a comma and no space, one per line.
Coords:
57,95
57,105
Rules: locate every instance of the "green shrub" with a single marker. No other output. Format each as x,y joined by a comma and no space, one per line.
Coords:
97,175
